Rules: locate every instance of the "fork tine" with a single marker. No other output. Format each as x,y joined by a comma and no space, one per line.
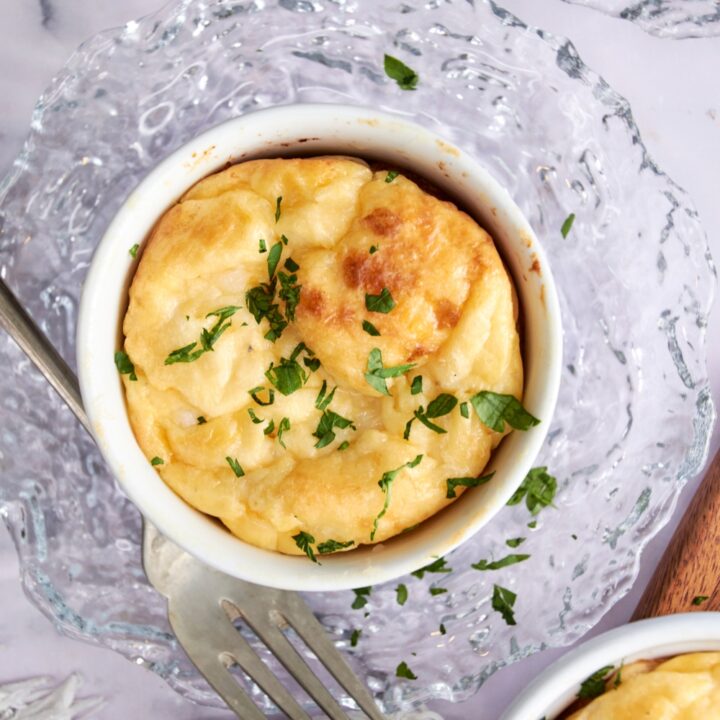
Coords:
258,619
209,664
309,628
207,629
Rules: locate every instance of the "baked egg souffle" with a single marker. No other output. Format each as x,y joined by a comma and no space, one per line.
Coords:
319,354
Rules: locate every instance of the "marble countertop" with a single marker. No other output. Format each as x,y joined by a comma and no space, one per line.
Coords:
676,103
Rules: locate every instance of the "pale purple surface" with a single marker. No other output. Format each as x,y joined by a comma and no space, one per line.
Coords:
675,113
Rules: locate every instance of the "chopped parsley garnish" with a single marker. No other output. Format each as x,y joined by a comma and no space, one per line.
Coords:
503,601
532,525
324,398
397,70
494,410
377,375
256,420
254,394
290,265
382,303
515,542
538,488
385,484
288,376
361,597
594,686
305,542
331,546
403,671
274,258
700,599
283,427
344,445
284,240
355,637
260,301
157,461
235,466
208,338
464,410
125,365
392,174
441,405
278,202
437,590
401,594
468,482
417,385
373,249
442,629
325,431
370,329
289,293
262,245
134,250
201,420
311,363
499,564
567,225
270,428
437,566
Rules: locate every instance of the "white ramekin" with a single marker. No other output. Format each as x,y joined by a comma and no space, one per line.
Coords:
555,689
314,129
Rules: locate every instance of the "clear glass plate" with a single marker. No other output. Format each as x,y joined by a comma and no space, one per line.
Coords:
634,274
665,18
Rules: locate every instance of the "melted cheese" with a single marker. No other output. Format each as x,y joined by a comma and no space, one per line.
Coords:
687,687
454,318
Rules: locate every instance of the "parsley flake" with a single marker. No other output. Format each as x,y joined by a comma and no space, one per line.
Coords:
567,225
468,482
331,546
417,385
385,484
370,329
278,202
256,420
437,590
287,376
392,174
274,258
700,599
260,302
290,265
594,686
208,338
437,566
401,594
134,250
377,375
235,466
305,542
157,461
464,410
201,420
538,488
440,406
323,399
404,671
442,629
262,245
344,445
355,637
254,394
515,542
397,70
382,303
330,420
373,249
503,601
124,365
270,428
494,410
283,427
499,564
361,597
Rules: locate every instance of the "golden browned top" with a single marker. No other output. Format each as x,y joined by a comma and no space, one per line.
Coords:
351,234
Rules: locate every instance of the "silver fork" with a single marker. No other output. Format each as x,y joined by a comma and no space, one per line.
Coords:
203,603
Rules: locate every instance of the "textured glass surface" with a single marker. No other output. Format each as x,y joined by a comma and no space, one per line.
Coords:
664,18
634,274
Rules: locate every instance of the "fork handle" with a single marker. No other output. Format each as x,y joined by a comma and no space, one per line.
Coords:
690,567
32,341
